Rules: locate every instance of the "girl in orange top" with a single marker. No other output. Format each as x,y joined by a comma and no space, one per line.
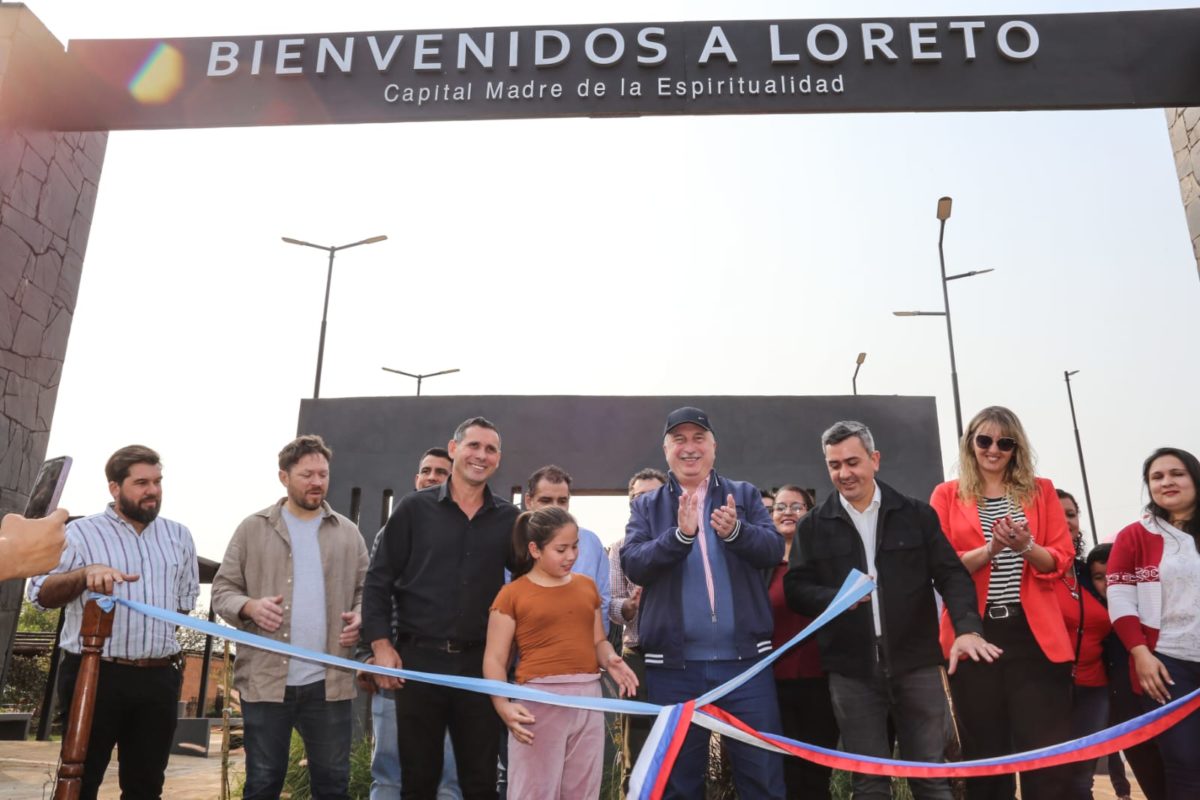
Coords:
553,615
1010,532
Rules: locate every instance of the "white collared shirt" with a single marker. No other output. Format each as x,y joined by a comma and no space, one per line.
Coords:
163,556
866,523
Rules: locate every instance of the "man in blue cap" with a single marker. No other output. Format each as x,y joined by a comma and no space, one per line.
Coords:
699,546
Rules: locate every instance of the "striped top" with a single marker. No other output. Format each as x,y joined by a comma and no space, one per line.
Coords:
162,555
1004,585
622,587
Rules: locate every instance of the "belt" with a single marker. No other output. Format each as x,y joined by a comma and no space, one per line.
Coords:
1003,610
441,645
170,661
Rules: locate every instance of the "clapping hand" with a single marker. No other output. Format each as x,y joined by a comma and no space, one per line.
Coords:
724,519
689,513
1013,534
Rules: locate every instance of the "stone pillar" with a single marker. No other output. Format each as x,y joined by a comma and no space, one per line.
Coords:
48,184
1185,143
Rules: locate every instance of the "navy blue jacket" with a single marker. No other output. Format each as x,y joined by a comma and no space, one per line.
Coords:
654,554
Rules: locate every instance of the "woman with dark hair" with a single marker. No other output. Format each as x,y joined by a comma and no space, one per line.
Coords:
805,707
1008,528
1088,626
1071,511
1154,602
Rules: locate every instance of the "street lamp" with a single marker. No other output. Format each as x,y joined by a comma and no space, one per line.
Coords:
1087,493
420,377
857,366
328,282
943,213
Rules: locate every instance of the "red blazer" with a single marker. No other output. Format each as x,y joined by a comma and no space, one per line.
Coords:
960,523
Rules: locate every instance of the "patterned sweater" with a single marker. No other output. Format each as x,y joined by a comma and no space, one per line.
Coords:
1134,590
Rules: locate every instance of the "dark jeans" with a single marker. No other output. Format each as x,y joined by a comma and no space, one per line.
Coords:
916,702
324,727
425,712
634,727
135,710
1144,758
1179,745
807,714
1089,713
1117,776
756,772
1019,702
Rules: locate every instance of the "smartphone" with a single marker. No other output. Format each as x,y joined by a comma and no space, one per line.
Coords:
48,487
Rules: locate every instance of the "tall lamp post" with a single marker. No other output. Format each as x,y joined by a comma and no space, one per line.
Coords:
1087,492
943,214
421,377
328,282
857,366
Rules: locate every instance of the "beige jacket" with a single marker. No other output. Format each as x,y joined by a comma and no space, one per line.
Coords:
258,563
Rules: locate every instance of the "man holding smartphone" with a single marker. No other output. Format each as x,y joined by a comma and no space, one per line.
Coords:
130,551
31,546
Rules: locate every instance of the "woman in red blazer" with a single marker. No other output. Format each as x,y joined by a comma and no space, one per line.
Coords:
1010,532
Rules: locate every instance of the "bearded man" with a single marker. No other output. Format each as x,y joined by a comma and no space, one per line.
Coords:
294,573
129,551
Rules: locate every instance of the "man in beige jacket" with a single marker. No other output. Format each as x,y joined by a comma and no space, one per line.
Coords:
294,573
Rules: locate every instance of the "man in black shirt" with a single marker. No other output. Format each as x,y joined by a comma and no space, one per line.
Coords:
441,560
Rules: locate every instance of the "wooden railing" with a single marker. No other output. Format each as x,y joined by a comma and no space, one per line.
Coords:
96,628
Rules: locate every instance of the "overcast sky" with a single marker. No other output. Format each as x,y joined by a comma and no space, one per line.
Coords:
753,255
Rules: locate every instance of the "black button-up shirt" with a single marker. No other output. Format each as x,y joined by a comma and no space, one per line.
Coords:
441,569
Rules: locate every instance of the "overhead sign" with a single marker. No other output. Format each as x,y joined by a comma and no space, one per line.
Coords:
1058,61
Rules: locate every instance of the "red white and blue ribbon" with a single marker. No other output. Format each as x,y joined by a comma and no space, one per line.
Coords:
671,725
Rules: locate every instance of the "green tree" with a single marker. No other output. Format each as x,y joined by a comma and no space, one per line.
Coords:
32,619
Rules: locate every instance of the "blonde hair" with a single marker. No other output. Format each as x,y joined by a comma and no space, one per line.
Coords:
1019,476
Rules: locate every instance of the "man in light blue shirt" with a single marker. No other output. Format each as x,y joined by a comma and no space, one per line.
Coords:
551,486
127,550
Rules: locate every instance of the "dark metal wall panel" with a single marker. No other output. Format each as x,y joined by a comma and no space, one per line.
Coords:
603,440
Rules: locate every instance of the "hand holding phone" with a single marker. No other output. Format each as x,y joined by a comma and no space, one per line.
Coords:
48,488
31,547
33,544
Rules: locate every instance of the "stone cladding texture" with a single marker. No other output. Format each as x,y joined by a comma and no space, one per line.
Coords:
1185,143
48,185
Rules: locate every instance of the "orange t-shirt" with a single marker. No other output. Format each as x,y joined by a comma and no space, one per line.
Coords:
556,626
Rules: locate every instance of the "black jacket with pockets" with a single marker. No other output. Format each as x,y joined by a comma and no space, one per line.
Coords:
913,557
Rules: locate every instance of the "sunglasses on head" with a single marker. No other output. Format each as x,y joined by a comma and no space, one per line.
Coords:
1005,443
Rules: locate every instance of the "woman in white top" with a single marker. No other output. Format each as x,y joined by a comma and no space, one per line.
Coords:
1154,602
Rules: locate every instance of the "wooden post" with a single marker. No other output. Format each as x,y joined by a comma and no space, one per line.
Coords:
96,628
225,673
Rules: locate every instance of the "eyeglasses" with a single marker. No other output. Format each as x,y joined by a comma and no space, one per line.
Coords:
1005,444
795,508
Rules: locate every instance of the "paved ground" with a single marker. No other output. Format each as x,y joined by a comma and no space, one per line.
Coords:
27,773
27,770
